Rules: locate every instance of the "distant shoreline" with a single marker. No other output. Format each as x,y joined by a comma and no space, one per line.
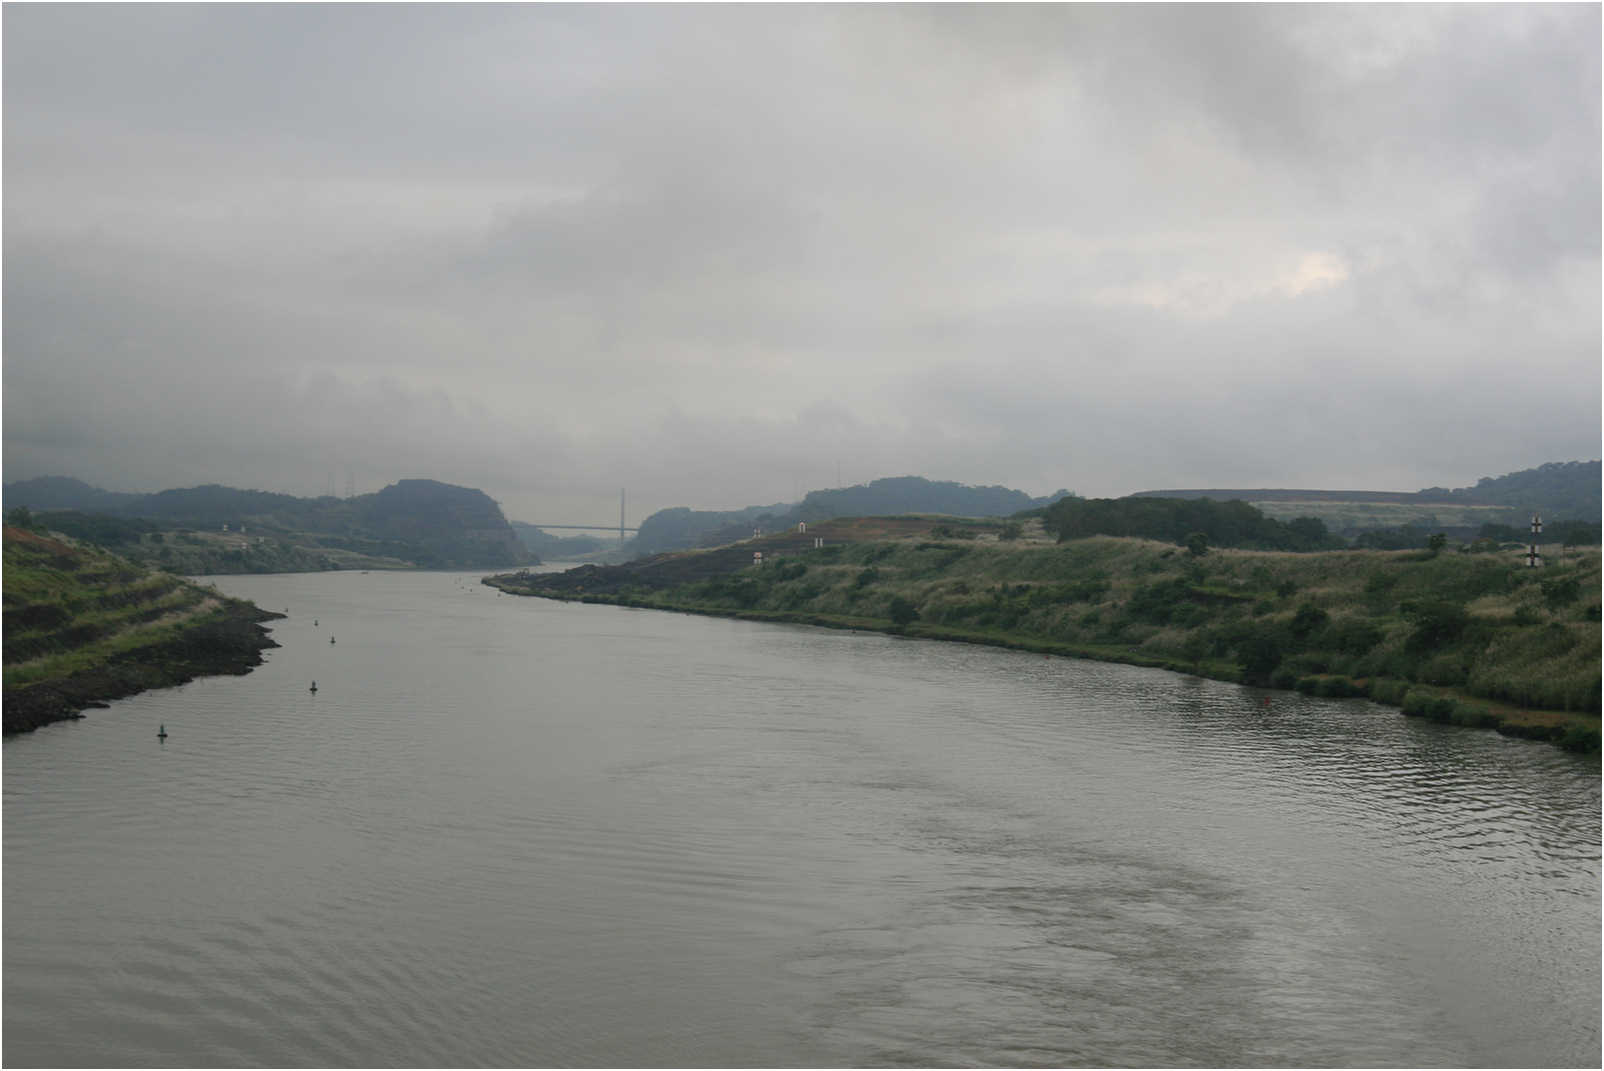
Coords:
1457,638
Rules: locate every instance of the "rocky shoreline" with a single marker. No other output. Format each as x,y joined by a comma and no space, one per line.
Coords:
230,643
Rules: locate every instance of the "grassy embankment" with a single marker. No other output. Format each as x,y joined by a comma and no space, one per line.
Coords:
1469,639
82,626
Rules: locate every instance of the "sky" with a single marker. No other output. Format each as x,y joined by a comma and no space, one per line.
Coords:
718,256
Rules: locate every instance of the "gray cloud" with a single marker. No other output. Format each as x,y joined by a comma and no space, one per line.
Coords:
718,254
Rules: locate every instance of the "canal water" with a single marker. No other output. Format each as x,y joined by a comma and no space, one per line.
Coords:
507,831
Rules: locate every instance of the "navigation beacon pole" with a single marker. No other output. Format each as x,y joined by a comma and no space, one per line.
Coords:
1533,558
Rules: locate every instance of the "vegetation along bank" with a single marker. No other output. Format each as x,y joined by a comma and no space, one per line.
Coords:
1474,639
83,626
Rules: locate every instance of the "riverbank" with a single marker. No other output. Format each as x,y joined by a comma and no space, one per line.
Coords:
83,627
1467,639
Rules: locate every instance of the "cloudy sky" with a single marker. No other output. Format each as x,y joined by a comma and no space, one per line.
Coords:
723,255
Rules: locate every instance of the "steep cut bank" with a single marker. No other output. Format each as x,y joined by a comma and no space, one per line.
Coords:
83,627
1474,639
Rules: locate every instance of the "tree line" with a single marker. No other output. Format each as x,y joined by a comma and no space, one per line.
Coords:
1193,522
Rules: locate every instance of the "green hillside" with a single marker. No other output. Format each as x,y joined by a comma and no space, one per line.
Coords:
1560,490
1474,638
83,626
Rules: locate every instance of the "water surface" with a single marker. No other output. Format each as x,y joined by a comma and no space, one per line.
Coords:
516,832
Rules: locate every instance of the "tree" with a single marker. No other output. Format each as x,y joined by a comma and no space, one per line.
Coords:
1308,620
1197,544
902,611
1435,544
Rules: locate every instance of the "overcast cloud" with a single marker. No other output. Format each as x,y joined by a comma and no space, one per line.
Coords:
725,255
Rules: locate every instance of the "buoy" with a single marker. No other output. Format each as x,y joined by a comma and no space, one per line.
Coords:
314,622
331,639
161,733
314,686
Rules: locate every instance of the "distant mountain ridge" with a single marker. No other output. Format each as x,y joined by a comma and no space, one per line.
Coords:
1294,494
64,492
1560,490
680,528
418,522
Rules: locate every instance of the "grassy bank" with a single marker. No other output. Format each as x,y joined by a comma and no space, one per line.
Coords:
1471,639
83,626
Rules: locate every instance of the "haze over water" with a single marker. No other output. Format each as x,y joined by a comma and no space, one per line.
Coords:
517,832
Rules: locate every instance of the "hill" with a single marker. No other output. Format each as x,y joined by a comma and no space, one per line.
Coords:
1560,490
681,528
1458,636
63,492
550,547
218,529
83,626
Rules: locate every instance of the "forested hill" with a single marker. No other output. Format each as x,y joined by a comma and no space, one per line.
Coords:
1199,522
1561,490
914,494
681,528
64,492
421,523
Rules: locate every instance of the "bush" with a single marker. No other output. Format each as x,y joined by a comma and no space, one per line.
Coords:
1157,602
902,611
1579,738
1388,690
1437,624
1259,652
1561,591
1352,637
1308,620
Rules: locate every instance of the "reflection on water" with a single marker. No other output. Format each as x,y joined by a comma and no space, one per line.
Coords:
508,831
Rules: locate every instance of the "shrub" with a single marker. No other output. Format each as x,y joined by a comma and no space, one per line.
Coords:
1339,687
1157,602
1259,652
1579,738
1387,690
903,612
1283,677
1561,591
1445,670
1352,636
1437,624
1307,621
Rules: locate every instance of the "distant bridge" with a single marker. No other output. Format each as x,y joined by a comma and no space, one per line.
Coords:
585,527
620,527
